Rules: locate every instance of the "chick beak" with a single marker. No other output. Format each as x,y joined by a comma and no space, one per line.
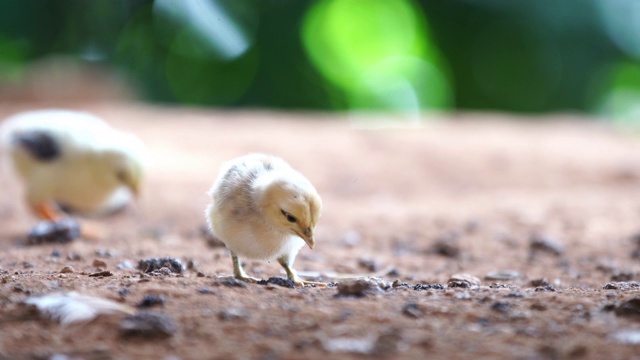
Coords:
308,237
134,187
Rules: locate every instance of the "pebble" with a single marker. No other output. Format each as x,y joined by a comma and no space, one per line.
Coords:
104,253
544,243
622,276
428,287
539,282
230,282
447,245
545,288
369,264
357,288
412,310
503,275
149,325
125,265
99,263
278,281
458,280
101,274
62,231
629,308
153,264
150,300
630,337
232,314
501,306
624,285
206,290
67,270
352,345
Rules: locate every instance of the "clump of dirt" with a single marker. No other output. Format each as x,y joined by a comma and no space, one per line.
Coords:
148,325
154,264
47,232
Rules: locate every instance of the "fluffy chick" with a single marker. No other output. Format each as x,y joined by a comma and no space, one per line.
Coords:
71,160
263,209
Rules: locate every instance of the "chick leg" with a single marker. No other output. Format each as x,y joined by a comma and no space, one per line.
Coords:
45,211
238,271
287,262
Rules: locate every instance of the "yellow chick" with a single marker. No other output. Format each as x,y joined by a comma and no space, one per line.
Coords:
71,160
263,209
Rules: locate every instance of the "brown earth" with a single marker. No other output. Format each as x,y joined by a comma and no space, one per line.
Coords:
469,195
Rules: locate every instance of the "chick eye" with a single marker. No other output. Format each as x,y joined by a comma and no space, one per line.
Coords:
121,175
290,218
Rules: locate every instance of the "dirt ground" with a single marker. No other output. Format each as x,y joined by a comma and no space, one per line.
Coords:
532,220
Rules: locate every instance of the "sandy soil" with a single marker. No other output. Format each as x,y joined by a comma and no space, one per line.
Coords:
532,219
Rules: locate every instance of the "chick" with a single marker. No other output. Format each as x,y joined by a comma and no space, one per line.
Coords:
263,209
73,161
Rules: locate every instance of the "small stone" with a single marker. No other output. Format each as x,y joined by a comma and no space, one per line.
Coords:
501,306
230,282
545,288
62,231
205,290
357,288
153,264
447,245
539,282
412,310
232,314
123,292
99,263
630,337
74,257
349,345
428,287
459,280
398,284
622,276
150,300
538,306
149,325
288,283
125,265
503,275
626,285
101,274
67,269
55,254
104,253
544,243
629,308
200,274
368,264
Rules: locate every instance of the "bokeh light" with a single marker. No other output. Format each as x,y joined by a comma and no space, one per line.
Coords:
378,53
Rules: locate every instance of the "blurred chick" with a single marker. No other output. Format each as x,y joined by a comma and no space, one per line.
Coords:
71,160
263,209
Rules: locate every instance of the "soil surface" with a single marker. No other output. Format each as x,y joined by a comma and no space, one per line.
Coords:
474,236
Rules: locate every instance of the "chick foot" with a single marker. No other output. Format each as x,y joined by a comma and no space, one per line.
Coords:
45,211
293,276
239,273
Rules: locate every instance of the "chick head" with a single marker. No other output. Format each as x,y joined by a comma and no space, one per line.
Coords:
123,164
293,206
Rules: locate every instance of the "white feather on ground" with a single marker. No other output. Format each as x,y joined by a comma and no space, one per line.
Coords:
73,307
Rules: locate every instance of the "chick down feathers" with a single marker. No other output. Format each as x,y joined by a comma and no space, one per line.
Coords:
72,159
262,208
